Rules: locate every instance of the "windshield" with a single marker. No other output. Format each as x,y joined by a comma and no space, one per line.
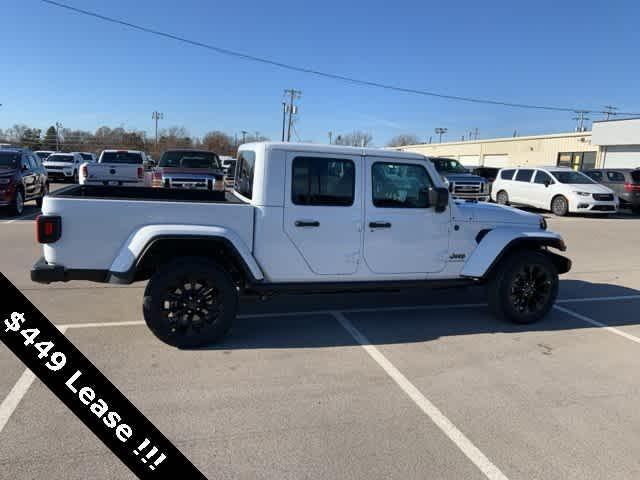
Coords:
189,159
9,159
43,155
572,177
86,156
60,158
121,157
448,165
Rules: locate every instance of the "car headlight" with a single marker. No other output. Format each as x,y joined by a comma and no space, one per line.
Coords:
583,194
5,181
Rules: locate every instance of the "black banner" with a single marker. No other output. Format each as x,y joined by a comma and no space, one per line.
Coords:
87,392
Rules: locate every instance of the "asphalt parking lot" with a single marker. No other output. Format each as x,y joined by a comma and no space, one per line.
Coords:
396,385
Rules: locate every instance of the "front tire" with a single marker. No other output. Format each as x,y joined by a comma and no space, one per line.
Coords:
524,288
560,206
44,194
190,302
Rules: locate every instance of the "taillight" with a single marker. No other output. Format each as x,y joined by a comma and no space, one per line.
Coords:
140,172
632,187
48,228
84,171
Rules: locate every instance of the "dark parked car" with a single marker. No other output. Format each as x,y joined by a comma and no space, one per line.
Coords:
22,178
625,182
189,169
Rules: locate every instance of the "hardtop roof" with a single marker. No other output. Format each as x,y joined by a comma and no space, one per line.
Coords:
332,149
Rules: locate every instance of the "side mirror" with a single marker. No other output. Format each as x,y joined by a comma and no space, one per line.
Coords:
439,198
547,183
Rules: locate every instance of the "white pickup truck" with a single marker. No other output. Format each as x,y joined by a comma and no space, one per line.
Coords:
117,168
300,218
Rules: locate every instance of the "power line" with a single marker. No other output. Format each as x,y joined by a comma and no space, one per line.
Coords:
319,73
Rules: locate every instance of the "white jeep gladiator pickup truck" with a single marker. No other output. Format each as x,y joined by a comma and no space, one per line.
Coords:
300,218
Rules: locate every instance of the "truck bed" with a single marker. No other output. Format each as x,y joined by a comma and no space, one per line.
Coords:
145,193
97,221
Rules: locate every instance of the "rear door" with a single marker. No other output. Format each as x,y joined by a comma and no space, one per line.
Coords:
403,234
521,189
323,210
615,181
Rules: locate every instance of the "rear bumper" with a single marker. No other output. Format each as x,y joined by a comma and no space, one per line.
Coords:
43,272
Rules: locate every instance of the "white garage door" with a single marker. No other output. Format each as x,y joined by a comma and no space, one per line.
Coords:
496,161
469,160
624,156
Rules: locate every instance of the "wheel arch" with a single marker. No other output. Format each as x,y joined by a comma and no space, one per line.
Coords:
497,244
149,247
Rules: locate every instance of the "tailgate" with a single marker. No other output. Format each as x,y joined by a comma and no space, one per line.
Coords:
113,172
95,230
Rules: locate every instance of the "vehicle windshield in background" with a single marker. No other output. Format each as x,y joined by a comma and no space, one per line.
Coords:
60,158
188,159
121,157
231,166
9,159
43,155
572,177
448,165
86,156
635,176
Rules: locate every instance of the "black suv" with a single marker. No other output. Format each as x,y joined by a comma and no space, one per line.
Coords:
624,181
22,178
461,183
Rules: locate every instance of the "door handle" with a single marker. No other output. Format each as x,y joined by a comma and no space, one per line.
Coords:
307,223
379,225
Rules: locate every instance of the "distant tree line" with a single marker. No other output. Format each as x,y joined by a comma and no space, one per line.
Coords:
70,140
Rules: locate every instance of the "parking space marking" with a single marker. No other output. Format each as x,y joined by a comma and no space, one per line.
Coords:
599,299
472,452
17,393
609,328
25,217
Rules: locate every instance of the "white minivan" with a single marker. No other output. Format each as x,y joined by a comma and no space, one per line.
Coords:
558,189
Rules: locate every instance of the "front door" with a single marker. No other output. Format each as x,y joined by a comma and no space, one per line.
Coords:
403,234
323,210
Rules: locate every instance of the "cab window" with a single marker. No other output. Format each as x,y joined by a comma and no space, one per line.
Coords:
400,185
243,183
323,181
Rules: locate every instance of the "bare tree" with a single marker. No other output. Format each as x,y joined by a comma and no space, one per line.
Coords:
357,138
403,139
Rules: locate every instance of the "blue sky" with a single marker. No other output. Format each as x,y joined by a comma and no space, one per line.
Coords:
87,73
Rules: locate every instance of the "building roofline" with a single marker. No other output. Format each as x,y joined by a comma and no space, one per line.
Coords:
616,120
501,139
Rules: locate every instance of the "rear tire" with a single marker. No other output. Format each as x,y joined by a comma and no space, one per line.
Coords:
502,198
636,210
524,287
17,207
190,302
560,206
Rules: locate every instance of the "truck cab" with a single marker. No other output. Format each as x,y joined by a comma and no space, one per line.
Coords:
299,218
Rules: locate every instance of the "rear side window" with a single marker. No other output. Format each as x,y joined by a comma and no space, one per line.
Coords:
323,181
615,176
244,177
524,175
597,176
507,174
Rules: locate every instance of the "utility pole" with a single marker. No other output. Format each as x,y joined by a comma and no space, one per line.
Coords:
293,109
244,135
580,118
330,137
284,117
157,116
58,127
609,110
475,133
441,131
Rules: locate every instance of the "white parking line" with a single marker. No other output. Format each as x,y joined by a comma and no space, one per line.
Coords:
24,217
17,393
598,324
472,452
